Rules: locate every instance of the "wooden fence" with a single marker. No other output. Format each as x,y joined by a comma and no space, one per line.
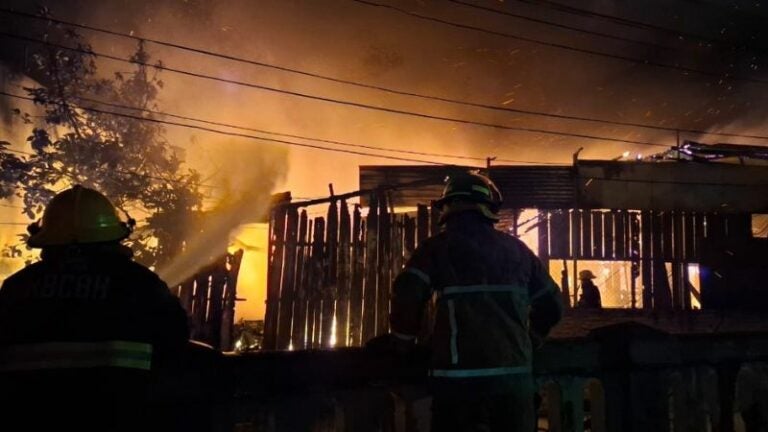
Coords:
209,298
329,277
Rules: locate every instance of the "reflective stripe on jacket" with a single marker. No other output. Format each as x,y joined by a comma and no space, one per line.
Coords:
75,355
490,290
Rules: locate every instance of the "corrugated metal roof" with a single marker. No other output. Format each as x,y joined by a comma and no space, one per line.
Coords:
550,187
547,187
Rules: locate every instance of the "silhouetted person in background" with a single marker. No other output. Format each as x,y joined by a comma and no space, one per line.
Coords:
590,295
82,330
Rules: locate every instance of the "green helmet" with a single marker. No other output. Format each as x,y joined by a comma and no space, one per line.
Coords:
469,191
77,216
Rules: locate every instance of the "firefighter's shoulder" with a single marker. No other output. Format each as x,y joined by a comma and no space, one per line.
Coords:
22,276
142,273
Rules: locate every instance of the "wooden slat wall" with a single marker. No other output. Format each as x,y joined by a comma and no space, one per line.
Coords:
371,273
209,297
358,272
344,271
337,269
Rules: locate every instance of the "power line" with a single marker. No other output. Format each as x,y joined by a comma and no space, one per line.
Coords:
251,129
562,46
336,101
239,135
622,21
732,10
340,143
388,89
11,206
26,153
564,26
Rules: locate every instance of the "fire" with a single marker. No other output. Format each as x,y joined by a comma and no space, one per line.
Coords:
252,280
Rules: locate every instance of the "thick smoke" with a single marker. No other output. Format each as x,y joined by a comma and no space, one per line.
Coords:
379,46
247,176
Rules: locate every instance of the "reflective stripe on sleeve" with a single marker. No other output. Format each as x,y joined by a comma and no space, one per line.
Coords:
472,289
403,336
73,355
542,293
420,274
474,373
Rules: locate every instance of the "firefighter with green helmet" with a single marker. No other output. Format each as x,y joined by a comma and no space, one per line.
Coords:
495,303
82,329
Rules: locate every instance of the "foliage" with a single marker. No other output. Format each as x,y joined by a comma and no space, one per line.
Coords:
78,141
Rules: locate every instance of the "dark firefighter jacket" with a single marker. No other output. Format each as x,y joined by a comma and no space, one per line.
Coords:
493,295
82,332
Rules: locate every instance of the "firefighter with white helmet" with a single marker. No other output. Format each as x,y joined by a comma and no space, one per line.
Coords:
495,303
82,329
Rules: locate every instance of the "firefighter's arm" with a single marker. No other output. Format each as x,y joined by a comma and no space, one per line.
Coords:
410,292
546,302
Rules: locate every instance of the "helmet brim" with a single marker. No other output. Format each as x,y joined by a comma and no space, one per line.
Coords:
52,237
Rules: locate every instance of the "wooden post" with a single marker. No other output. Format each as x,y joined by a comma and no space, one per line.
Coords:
342,301
230,299
274,273
559,235
422,223
398,242
543,222
608,244
357,278
314,312
300,285
620,234
202,287
216,307
586,233
434,220
678,287
576,250
698,233
384,267
330,267
689,237
288,285
662,298
186,294
646,258
634,254
409,236
597,235
371,260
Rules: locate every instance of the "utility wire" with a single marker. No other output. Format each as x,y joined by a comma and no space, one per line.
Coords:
26,153
237,134
564,26
251,129
332,100
378,87
562,46
349,151
734,10
622,21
